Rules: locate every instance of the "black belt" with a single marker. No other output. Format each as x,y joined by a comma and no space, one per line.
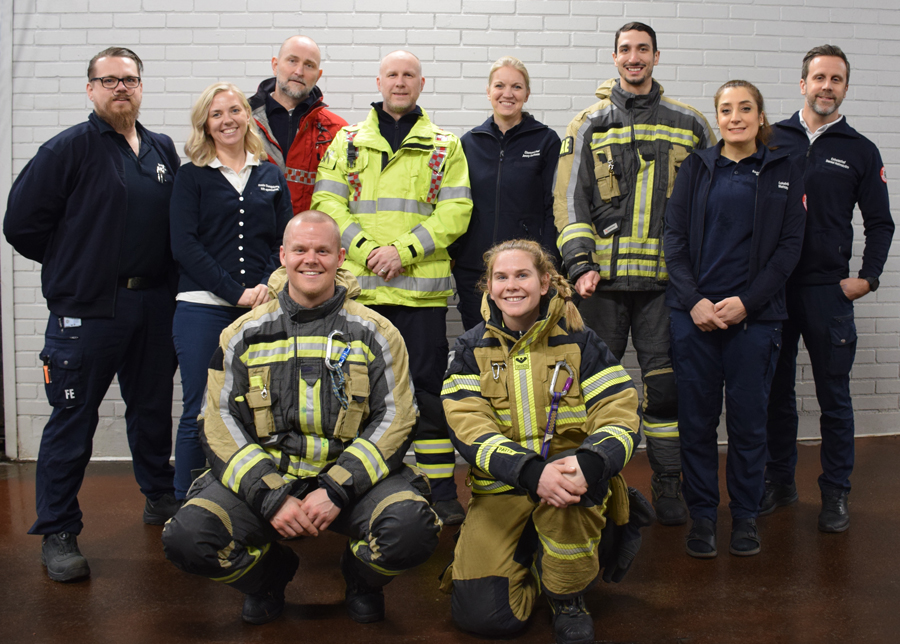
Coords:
140,283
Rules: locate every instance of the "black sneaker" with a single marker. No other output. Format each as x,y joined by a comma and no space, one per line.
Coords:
450,512
744,538
776,496
64,561
159,511
572,622
365,603
268,604
835,515
667,499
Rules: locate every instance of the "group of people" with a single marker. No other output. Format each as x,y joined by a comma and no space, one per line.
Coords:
298,268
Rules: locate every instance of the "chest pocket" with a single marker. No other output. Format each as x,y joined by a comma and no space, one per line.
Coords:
259,399
677,155
606,173
350,420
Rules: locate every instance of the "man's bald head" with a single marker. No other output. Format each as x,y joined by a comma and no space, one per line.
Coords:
303,41
311,255
311,217
396,56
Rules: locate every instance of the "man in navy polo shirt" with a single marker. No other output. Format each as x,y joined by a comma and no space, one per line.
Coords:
92,207
843,169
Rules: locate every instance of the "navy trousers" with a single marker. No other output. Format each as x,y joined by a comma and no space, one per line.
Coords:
80,362
742,359
824,317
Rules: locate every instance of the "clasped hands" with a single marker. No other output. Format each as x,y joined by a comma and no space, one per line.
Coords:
306,518
562,483
385,262
721,315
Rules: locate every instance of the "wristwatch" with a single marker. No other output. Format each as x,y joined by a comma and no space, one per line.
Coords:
873,283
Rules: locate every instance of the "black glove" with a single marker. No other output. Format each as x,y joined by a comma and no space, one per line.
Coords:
619,544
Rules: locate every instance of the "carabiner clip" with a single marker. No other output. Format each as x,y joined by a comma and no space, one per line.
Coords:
569,380
329,346
495,369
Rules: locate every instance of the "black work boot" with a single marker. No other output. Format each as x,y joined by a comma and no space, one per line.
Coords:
266,605
667,500
572,622
450,512
776,496
365,603
835,515
159,511
64,561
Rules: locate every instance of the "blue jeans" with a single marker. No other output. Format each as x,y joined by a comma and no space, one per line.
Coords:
196,331
824,317
742,358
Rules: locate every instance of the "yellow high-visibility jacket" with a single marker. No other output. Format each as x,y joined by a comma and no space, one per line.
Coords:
497,398
272,416
419,202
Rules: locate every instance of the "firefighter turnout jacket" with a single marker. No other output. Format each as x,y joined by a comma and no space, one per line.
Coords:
616,171
275,412
497,398
417,200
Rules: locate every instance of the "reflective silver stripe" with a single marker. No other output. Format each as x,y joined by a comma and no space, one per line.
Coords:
363,207
458,192
350,233
404,283
645,174
412,206
268,353
527,423
613,374
239,465
334,187
483,455
637,246
360,446
480,486
311,403
424,238
657,132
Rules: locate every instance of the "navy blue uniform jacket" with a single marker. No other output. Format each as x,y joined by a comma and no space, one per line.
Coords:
778,224
66,210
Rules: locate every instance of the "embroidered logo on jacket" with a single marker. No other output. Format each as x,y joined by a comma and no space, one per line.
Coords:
838,162
265,187
529,154
784,185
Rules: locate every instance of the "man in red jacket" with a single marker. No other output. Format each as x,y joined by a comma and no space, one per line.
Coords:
295,126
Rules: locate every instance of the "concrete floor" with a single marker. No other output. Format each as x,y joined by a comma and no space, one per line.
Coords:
805,586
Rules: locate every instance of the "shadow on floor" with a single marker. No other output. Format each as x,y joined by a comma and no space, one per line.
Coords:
805,586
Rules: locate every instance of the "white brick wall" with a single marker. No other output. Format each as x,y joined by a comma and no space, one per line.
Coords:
187,44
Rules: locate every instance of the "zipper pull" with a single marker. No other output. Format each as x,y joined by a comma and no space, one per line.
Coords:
264,393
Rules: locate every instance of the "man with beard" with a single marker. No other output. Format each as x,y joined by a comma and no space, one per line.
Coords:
291,115
616,172
842,169
93,208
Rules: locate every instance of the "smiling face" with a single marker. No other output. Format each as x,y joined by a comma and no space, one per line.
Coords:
508,93
825,86
227,121
634,58
400,82
120,106
516,288
738,116
311,254
296,70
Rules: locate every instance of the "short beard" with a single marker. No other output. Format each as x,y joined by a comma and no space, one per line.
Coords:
298,96
121,120
814,106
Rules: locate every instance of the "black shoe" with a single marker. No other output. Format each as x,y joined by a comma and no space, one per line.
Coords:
64,561
365,603
159,511
835,515
776,496
572,622
700,542
268,604
667,499
744,538
450,512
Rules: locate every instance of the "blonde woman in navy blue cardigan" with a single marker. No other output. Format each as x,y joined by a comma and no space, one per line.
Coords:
228,213
734,230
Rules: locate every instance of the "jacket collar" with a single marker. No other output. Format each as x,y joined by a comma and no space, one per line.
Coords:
709,155
302,314
553,308
369,133
527,124
612,90
841,127
268,86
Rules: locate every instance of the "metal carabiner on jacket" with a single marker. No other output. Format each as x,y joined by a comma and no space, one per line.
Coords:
495,369
569,380
334,369
555,396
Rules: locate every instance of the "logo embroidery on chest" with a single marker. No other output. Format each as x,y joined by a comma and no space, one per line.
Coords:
838,162
529,154
522,363
784,185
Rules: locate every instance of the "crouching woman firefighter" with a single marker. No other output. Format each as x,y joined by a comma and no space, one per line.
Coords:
308,415
547,418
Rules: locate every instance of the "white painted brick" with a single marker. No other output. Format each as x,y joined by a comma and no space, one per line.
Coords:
490,38
489,6
446,21
594,8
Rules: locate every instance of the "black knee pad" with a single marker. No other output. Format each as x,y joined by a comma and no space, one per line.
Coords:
660,394
407,533
189,541
481,606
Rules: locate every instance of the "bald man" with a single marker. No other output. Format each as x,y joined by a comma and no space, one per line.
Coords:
398,186
291,115
308,415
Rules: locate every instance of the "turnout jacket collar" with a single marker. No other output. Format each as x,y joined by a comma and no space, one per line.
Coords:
624,100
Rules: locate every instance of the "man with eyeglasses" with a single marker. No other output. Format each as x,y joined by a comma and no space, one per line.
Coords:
92,207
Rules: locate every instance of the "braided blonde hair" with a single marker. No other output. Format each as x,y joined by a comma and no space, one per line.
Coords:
543,264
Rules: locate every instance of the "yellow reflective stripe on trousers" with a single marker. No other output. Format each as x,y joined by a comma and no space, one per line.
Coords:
438,471
356,544
568,551
256,554
435,446
371,459
667,429
310,411
620,434
241,463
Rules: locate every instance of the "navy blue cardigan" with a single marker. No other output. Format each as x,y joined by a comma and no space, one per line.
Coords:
512,188
67,211
842,168
225,242
778,224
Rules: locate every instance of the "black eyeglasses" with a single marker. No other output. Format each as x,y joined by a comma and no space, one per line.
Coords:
111,82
